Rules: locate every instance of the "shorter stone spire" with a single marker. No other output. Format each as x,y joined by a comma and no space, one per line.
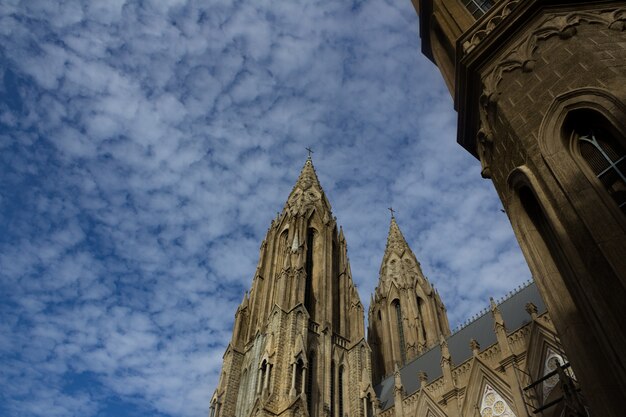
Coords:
395,239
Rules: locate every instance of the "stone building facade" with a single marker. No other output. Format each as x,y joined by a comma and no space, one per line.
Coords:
540,90
299,347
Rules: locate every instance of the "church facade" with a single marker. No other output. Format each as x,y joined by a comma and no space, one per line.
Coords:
299,346
540,91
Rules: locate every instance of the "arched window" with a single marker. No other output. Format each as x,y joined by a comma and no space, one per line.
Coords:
264,376
340,391
603,153
396,304
308,290
298,379
282,250
243,390
369,406
332,389
336,301
420,311
311,379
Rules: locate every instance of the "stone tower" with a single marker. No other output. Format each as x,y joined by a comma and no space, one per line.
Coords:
540,88
298,346
406,315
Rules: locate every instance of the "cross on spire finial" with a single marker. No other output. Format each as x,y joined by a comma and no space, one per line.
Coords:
392,211
310,152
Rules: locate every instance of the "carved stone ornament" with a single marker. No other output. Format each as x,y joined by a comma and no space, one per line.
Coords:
501,11
521,57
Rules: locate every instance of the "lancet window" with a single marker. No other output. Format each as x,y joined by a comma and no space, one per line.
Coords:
369,406
311,379
332,388
340,391
607,159
298,378
308,296
400,330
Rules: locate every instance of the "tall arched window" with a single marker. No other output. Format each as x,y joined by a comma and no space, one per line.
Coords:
298,379
282,250
308,290
370,406
603,153
340,391
332,389
311,380
400,330
336,301
420,311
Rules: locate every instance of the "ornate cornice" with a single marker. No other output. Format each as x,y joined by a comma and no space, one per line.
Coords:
521,57
486,25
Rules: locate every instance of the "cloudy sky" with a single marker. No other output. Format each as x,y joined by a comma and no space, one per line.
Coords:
145,147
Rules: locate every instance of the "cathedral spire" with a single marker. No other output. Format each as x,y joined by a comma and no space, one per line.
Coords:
307,193
396,243
406,316
303,304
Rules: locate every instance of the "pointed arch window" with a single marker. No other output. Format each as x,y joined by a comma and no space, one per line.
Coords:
369,406
311,379
420,311
606,157
332,388
298,378
553,360
340,391
283,245
396,304
493,405
308,290
336,301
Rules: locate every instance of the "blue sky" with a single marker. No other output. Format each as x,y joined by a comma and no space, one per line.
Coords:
145,147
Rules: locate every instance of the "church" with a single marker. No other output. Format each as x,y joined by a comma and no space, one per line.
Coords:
299,346
540,91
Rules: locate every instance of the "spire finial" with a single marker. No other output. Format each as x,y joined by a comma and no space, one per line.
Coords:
392,212
308,158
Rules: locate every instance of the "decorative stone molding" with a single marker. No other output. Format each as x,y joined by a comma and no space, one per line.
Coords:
521,57
500,12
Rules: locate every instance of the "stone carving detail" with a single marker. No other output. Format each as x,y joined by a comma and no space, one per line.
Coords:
306,193
504,8
562,25
492,404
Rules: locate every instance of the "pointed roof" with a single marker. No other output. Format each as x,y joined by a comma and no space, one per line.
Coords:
395,240
306,191
308,176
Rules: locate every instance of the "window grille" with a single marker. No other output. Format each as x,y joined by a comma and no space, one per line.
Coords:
478,7
340,393
607,160
400,332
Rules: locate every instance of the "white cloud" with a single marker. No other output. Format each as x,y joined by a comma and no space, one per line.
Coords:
146,146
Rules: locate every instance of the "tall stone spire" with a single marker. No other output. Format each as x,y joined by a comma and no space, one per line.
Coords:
406,316
302,324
